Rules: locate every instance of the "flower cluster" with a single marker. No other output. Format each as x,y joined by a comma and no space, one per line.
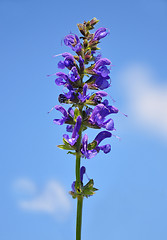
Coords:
85,97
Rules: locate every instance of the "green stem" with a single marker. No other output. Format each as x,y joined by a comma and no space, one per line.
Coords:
79,218
78,184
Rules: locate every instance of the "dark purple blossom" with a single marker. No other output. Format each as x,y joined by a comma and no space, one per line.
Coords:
65,115
68,61
101,62
99,95
62,80
73,42
84,150
105,148
101,82
101,79
75,132
100,33
74,75
98,116
100,137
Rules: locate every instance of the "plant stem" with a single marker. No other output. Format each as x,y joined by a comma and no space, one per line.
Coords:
78,185
79,218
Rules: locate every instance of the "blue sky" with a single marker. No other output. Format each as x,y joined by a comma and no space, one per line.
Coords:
35,175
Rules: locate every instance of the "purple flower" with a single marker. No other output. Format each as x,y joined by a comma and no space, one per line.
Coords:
73,42
99,95
83,96
101,62
65,115
62,80
98,116
92,153
100,33
84,150
75,134
101,82
101,136
73,75
68,61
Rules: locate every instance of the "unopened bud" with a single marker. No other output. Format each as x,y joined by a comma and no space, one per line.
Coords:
94,21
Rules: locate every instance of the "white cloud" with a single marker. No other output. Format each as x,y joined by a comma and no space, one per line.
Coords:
147,99
53,200
24,185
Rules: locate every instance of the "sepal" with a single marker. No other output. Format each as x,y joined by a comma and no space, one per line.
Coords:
85,191
88,189
66,145
92,145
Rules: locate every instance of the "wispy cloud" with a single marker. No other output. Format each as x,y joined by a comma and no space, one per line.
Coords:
25,185
147,98
53,198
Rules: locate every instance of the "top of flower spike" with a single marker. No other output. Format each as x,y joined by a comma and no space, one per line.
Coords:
77,90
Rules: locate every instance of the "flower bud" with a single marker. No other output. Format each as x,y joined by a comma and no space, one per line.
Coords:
93,21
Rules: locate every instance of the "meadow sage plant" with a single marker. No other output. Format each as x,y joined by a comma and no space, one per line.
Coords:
88,76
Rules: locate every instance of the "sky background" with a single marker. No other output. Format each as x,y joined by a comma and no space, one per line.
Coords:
35,175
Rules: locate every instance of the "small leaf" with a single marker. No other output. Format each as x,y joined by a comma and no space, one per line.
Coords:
64,147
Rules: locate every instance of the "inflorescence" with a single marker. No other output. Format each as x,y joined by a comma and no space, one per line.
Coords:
88,109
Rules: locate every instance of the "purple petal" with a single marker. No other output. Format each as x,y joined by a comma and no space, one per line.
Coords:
71,112
109,124
66,137
69,128
101,136
82,172
61,64
112,109
102,62
66,54
62,75
60,81
59,121
73,186
90,154
62,110
101,82
77,126
100,33
84,143
105,102
105,148
101,93
85,87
